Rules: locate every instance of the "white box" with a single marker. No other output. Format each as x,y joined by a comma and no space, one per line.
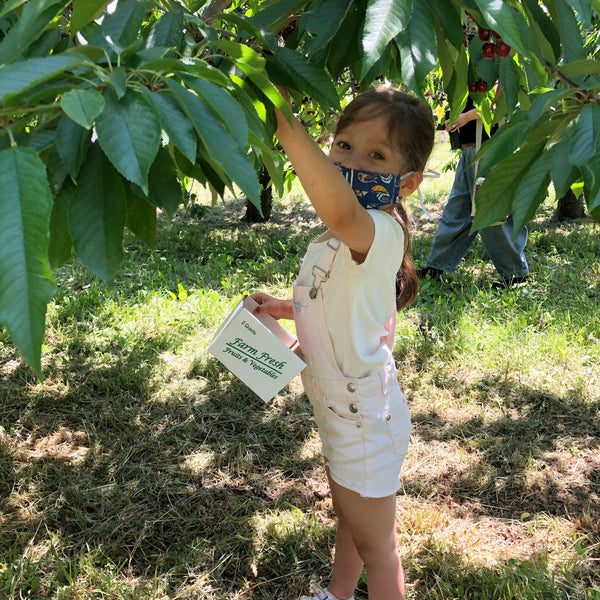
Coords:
257,349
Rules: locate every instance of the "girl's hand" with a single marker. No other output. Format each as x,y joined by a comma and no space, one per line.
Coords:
276,307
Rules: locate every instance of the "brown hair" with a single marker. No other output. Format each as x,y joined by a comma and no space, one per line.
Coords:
411,132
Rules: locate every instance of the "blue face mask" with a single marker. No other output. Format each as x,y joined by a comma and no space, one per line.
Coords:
374,190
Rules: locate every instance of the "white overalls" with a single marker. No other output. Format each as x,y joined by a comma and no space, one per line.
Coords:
364,423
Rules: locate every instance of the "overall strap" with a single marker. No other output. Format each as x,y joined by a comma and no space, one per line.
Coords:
323,266
478,138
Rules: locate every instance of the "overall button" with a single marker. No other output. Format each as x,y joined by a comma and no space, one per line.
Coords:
351,387
353,408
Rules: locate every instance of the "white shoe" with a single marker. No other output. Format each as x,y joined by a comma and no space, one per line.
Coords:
320,593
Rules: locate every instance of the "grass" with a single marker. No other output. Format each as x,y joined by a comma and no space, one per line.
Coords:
141,469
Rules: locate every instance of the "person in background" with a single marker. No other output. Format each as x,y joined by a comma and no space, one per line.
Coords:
352,281
453,237
440,115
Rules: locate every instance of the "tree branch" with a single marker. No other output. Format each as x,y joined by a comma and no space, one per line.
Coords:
210,13
558,74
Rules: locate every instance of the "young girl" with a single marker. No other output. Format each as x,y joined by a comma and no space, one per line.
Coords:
352,281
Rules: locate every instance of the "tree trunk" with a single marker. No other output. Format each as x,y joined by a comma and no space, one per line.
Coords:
570,207
266,199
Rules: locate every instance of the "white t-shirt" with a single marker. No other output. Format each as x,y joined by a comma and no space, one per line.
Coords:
360,299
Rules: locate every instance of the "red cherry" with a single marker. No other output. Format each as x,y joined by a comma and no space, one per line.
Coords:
481,86
502,49
288,30
484,34
488,50
472,87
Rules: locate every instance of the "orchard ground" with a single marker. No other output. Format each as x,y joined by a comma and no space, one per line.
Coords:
141,469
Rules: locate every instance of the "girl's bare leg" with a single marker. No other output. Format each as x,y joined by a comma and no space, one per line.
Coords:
365,535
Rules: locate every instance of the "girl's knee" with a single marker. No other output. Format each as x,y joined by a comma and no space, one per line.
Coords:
375,550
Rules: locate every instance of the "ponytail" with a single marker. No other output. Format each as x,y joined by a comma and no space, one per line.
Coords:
407,281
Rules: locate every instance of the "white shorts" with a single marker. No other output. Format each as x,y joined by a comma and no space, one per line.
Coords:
364,426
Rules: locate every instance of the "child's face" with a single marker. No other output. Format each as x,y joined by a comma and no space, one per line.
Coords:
364,146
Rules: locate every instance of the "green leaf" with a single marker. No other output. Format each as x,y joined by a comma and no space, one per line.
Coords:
84,12
26,283
129,133
167,31
563,173
254,110
543,31
11,5
271,17
17,78
447,16
418,47
48,43
94,53
455,68
510,78
34,19
586,135
310,79
504,142
592,187
532,191
570,36
37,140
215,179
200,69
241,52
83,106
141,218
584,9
385,19
123,25
593,205
165,189
493,198
272,161
221,147
118,79
543,27
56,169
224,106
72,143
345,48
321,22
174,122
60,250
253,65
580,68
97,216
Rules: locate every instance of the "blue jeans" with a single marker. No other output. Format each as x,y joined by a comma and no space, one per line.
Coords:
452,239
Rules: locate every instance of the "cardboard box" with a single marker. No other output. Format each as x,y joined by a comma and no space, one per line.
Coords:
257,349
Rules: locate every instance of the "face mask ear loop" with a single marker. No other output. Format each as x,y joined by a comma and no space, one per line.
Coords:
433,174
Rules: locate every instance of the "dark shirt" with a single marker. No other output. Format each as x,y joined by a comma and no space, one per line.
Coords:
467,132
